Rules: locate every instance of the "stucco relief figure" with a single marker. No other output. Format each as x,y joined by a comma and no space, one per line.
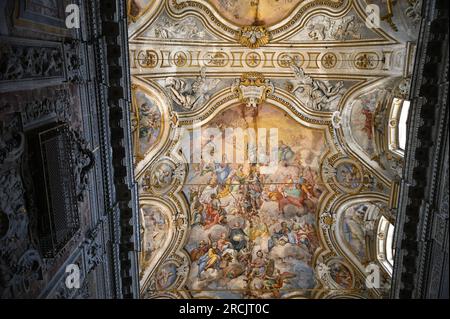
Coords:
10,60
185,29
17,62
324,28
319,95
195,96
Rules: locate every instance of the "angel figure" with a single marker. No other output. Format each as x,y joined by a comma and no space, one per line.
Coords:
319,93
194,97
274,281
303,83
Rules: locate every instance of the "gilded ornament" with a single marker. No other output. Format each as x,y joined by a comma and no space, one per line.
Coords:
254,36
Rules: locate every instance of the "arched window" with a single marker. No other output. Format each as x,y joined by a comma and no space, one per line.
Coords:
385,244
398,126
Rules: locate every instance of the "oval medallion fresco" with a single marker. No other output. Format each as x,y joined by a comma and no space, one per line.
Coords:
166,276
341,275
348,176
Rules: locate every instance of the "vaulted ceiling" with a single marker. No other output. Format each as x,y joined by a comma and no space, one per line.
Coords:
320,82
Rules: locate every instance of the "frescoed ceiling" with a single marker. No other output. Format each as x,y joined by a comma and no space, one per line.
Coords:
256,12
262,145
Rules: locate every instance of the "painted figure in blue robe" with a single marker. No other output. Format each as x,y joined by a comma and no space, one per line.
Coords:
222,172
198,216
285,232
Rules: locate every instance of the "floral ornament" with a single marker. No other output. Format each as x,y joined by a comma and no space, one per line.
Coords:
414,11
254,36
179,220
329,60
366,61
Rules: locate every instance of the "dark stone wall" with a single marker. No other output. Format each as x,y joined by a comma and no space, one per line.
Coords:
421,262
51,75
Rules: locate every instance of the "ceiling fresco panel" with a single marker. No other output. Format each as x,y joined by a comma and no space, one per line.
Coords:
261,12
262,225
260,144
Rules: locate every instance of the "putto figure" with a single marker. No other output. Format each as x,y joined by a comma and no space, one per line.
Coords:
195,96
318,94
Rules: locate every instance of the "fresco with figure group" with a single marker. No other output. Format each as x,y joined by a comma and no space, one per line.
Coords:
358,227
253,235
155,228
363,117
267,12
146,123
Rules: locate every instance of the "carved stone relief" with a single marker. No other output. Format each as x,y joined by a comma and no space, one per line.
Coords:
191,98
319,95
323,28
19,62
186,29
24,272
